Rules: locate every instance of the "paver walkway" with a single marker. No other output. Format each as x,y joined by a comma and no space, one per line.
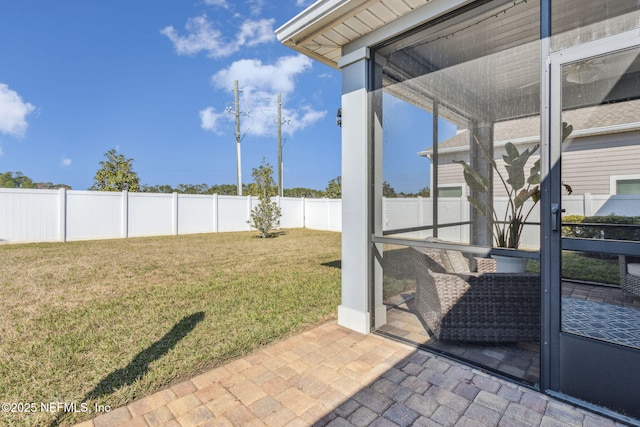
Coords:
333,376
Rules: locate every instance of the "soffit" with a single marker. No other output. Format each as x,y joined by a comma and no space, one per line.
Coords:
325,27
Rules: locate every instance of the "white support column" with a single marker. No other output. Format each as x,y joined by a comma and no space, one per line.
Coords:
354,312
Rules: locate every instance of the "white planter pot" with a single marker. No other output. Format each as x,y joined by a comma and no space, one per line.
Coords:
508,264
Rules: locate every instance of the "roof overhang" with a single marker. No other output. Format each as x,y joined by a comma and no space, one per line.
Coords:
323,29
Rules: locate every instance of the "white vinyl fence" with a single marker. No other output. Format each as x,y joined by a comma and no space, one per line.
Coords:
61,215
402,214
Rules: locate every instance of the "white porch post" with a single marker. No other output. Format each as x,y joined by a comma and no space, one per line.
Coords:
354,312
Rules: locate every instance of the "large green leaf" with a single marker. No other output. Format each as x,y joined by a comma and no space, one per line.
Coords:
566,130
474,180
524,195
515,163
479,205
534,174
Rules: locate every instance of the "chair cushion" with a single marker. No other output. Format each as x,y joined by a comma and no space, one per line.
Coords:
452,261
457,261
633,269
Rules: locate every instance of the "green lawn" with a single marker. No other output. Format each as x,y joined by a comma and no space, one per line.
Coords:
111,321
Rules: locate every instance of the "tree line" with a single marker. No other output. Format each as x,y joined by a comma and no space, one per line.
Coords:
116,174
19,180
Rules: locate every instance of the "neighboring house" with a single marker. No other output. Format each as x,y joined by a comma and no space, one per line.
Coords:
603,142
503,70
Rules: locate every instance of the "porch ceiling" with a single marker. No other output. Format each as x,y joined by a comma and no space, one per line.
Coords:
482,73
325,27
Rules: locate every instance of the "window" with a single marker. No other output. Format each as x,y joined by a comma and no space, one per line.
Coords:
450,191
628,186
625,184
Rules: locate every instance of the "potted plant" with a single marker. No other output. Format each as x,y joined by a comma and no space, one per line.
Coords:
508,226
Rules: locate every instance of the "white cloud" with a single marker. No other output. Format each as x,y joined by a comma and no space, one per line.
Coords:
203,37
299,121
221,3
253,33
256,6
65,161
209,119
254,75
13,112
304,3
260,84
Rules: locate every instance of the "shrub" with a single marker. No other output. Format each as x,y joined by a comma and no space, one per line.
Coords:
614,227
265,216
571,231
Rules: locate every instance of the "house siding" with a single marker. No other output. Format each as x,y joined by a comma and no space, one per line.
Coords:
587,163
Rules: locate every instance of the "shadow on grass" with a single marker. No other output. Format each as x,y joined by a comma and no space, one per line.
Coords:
333,264
139,365
271,235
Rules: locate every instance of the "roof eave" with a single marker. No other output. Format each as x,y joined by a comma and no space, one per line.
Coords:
307,20
314,19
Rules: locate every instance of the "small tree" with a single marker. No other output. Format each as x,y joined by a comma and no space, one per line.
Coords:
17,180
266,215
387,190
334,188
116,174
424,192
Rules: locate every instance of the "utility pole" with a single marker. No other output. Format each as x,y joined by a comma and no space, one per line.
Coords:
237,114
280,190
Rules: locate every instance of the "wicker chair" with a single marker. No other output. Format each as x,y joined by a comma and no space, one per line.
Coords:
481,306
629,274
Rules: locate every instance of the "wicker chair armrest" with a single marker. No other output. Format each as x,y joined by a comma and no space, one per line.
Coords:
485,265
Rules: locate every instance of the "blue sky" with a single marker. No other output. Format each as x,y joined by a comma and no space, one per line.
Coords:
153,79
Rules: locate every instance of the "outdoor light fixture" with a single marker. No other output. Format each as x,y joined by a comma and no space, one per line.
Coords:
339,117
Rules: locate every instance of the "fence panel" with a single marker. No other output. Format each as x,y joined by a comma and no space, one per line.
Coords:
400,213
292,212
30,215
334,215
316,214
151,214
94,215
233,213
195,214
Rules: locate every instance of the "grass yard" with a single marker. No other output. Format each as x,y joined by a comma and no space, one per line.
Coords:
107,322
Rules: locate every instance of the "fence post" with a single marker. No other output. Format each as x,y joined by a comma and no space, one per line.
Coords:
420,211
587,204
62,224
215,213
248,212
174,226
279,204
125,214
327,203
304,206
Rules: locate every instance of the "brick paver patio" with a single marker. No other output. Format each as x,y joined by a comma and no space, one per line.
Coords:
333,376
